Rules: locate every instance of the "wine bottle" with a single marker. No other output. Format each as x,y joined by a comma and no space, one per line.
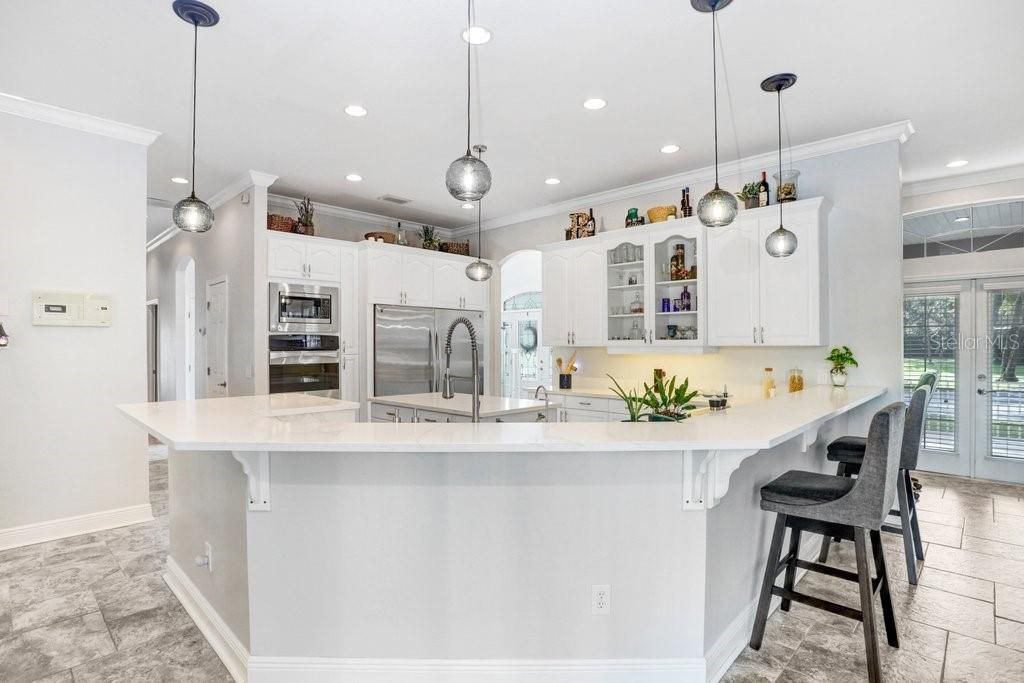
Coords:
762,190
591,224
686,207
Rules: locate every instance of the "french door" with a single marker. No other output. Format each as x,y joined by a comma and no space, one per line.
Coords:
971,334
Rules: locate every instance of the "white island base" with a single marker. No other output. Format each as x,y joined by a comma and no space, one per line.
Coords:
415,553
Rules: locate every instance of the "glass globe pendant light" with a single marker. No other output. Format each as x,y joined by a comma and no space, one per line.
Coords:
192,214
478,270
780,243
468,179
718,207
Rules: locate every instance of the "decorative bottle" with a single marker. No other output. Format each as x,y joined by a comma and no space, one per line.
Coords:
762,190
678,263
685,296
768,384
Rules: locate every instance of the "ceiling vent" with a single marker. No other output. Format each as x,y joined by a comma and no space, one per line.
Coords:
393,199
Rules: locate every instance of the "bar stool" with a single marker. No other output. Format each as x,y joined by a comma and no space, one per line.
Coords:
838,506
848,451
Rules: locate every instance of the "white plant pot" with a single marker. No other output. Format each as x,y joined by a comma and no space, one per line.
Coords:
838,379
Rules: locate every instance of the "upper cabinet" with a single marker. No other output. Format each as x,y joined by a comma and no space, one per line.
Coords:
572,314
299,257
414,277
758,300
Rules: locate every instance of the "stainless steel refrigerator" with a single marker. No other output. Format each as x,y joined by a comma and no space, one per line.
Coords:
408,350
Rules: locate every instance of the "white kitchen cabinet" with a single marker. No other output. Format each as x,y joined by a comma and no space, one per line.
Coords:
449,290
323,261
348,306
417,279
476,293
348,371
300,257
758,300
556,269
285,258
573,415
414,277
573,314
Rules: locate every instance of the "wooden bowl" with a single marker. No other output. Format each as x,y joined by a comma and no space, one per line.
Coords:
388,237
659,214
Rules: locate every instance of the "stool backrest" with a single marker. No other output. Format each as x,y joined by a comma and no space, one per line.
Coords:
913,427
927,379
868,503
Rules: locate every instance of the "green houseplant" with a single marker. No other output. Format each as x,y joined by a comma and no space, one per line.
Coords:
305,220
748,195
428,235
669,402
635,404
841,358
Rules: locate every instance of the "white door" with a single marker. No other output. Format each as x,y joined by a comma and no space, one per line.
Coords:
285,258
449,283
732,277
586,302
217,339
347,306
555,269
789,309
323,261
418,280
349,378
383,277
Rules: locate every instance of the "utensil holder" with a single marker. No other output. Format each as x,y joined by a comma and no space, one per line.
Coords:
565,381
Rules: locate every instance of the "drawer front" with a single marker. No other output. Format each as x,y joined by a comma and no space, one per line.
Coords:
586,403
527,417
382,411
584,415
431,417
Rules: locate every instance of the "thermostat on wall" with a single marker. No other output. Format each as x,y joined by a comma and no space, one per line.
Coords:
71,309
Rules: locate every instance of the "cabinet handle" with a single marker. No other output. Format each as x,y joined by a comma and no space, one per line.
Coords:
650,337
567,336
584,403
343,345
343,362
574,338
754,333
762,335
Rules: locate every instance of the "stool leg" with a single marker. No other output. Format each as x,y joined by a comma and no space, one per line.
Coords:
891,634
765,600
907,529
825,540
867,599
794,550
912,504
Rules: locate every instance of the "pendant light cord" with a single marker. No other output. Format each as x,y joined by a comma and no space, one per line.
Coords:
469,61
479,218
195,59
779,182
714,84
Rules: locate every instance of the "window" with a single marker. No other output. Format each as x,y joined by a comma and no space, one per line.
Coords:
1006,393
984,227
930,343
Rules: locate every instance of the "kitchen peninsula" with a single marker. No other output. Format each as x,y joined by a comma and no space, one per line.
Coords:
330,550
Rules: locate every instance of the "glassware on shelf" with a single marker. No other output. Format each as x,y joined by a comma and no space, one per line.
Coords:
768,384
634,332
796,380
664,272
666,305
786,185
637,306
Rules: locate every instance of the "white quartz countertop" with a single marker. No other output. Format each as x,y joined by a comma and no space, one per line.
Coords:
462,404
235,424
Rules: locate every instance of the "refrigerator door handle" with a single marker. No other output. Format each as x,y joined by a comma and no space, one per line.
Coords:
435,367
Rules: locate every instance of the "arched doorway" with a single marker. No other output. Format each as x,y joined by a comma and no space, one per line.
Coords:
525,364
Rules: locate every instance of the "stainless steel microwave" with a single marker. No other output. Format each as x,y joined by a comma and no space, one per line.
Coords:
307,309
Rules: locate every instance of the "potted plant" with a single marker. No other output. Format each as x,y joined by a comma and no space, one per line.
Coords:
669,402
304,224
748,195
428,235
635,404
841,358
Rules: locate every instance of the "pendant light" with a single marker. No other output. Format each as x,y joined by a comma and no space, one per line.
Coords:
479,271
468,178
193,214
718,207
780,243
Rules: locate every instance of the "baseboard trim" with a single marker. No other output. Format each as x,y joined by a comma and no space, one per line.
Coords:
322,670
222,639
731,643
54,529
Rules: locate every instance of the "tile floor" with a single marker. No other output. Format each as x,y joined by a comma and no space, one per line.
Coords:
95,608
964,621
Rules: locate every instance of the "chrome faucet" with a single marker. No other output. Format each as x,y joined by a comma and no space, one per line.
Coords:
536,393
446,391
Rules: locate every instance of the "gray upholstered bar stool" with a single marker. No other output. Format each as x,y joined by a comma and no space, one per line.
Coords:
838,506
848,451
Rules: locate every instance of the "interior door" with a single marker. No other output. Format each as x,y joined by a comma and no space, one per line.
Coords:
555,270
217,339
732,277
584,297
417,276
789,314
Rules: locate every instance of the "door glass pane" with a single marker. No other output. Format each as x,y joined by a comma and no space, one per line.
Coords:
626,292
675,288
1006,392
930,335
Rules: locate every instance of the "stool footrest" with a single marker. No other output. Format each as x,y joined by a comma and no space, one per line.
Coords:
810,600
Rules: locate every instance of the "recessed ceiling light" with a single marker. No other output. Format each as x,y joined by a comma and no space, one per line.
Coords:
961,219
178,179
353,177
468,205
594,103
355,110
957,163
476,35
552,181
670,149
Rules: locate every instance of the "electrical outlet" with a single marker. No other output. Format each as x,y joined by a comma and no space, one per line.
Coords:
208,550
601,599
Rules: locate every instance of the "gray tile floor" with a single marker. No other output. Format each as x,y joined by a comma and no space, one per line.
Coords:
95,608
964,621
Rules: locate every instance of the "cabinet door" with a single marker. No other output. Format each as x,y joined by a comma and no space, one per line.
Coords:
323,261
626,278
476,294
418,280
348,332
585,302
285,258
790,307
732,277
449,283
383,277
555,268
570,415
349,378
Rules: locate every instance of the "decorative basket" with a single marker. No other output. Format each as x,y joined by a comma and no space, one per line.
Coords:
388,237
461,248
280,223
658,214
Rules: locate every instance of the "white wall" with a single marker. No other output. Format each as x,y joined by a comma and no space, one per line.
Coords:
75,220
865,256
520,273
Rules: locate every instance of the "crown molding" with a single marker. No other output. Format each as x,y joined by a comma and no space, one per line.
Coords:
169,233
260,179
899,131
962,180
283,202
47,113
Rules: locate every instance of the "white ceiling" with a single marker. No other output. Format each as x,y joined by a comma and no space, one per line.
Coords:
275,77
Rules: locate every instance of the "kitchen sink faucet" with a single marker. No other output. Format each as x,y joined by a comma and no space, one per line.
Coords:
446,391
